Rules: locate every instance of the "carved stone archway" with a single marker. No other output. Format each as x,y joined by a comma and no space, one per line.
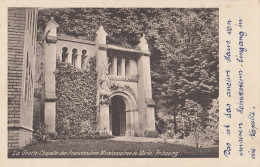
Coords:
131,122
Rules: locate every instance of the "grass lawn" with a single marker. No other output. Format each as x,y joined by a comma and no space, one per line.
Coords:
103,148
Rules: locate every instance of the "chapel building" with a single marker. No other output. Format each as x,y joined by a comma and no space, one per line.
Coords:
124,97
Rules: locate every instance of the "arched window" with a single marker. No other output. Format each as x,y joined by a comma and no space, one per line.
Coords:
74,57
84,59
64,54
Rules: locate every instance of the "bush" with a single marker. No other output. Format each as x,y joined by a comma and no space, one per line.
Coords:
212,132
41,132
161,126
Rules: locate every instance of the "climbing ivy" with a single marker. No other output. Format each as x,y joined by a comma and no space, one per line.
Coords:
76,91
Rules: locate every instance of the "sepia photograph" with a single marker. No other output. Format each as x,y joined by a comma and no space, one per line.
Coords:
113,82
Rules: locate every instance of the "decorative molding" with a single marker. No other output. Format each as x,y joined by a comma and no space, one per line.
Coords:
51,39
19,126
74,39
146,54
150,102
131,110
119,48
116,87
102,47
50,99
104,100
122,78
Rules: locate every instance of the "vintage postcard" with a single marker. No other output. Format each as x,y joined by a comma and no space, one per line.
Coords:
141,83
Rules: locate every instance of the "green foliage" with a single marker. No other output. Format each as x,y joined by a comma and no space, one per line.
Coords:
192,117
76,92
183,45
41,132
212,131
161,125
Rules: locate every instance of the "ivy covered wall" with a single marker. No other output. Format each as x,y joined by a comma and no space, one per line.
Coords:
76,91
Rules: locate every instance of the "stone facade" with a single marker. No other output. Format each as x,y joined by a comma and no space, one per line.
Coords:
123,74
21,53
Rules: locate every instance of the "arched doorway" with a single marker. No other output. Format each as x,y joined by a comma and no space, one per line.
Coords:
117,116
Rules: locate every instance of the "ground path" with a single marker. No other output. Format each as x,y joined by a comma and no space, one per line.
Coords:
187,142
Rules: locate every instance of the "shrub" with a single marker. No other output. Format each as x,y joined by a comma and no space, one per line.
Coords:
41,132
211,132
193,117
161,126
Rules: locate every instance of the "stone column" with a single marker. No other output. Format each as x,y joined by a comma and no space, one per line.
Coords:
69,58
102,59
122,122
146,103
104,119
50,67
102,93
114,64
133,67
136,122
79,60
128,123
132,132
150,119
122,65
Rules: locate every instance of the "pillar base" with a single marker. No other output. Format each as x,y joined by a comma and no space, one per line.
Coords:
151,133
53,134
122,133
129,133
102,132
138,133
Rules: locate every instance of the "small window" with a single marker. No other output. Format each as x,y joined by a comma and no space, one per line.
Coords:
74,57
64,54
84,59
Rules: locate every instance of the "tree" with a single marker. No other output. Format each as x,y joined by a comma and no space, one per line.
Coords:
212,131
193,119
183,45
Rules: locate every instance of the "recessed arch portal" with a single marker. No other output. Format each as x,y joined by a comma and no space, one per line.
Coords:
122,111
117,116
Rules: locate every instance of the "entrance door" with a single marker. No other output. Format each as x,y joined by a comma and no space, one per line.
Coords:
117,116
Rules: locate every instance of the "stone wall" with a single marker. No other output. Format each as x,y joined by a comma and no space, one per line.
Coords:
16,28
38,105
82,94
21,28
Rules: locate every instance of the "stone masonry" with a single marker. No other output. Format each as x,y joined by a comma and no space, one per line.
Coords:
122,74
21,52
